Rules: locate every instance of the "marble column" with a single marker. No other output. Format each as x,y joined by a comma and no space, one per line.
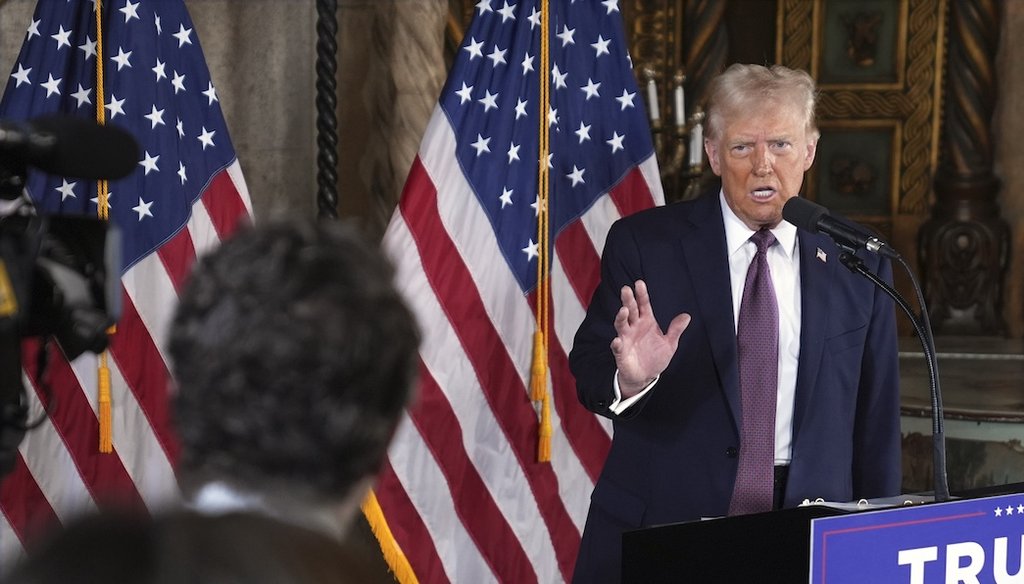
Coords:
391,72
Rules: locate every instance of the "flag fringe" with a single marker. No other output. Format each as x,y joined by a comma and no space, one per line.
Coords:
393,555
544,439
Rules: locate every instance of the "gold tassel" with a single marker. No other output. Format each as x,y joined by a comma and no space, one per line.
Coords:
539,369
102,196
393,554
106,425
544,442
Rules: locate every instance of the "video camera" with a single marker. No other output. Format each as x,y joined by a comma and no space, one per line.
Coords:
58,273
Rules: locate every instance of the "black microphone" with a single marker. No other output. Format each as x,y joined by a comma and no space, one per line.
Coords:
70,146
816,219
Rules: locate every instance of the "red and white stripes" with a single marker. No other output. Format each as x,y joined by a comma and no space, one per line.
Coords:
462,470
61,473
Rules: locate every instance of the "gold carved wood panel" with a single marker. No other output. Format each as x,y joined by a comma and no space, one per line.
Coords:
878,64
654,32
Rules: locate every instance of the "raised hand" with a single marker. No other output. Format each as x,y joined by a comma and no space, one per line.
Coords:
642,351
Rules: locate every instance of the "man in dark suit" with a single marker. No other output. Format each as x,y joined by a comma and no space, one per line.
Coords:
665,353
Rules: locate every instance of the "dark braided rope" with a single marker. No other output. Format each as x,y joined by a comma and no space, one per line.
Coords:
327,109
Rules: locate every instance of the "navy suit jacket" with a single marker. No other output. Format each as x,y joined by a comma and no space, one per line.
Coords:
674,454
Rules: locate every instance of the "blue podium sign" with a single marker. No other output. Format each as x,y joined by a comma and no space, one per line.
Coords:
970,541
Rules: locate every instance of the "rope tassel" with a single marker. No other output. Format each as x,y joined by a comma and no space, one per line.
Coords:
538,392
539,367
106,445
544,443
106,425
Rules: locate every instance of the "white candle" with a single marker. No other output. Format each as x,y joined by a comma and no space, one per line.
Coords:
652,100
697,145
680,106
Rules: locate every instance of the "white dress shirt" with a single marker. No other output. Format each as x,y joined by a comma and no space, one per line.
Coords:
220,498
784,263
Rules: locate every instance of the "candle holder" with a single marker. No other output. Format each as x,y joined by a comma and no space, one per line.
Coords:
693,176
678,146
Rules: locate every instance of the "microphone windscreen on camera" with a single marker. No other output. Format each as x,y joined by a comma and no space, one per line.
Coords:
81,148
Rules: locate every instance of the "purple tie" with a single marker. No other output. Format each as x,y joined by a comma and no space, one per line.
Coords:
757,340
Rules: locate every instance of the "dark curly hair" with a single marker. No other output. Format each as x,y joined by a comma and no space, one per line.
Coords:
181,546
294,356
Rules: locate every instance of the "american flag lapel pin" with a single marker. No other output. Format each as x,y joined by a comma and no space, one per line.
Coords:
821,255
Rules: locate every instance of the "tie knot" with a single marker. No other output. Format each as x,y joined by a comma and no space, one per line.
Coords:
763,239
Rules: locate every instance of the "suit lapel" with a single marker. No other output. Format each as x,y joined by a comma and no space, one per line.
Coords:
704,249
819,260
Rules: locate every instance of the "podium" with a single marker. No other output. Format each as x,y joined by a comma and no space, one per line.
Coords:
979,536
764,547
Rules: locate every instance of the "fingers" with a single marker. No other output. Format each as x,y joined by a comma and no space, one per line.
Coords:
643,298
616,346
621,320
676,327
629,303
638,302
636,305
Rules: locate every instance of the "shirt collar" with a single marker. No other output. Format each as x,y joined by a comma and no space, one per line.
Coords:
219,498
737,233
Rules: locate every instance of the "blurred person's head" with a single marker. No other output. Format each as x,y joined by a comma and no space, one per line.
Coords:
761,138
180,547
294,356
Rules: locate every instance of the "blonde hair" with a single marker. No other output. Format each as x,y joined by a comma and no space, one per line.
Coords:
741,86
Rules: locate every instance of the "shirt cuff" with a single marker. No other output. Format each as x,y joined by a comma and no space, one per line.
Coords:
620,405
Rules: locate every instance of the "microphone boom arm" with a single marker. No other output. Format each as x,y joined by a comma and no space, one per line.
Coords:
941,487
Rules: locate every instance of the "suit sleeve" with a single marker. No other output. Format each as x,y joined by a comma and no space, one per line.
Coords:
591,359
877,444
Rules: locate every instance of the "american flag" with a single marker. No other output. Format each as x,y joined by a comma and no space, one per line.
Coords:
186,193
462,496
